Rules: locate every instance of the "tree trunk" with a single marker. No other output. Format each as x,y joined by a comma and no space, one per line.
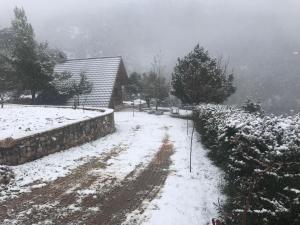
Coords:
76,101
2,103
148,102
156,105
32,97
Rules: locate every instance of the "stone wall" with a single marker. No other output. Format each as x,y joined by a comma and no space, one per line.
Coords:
18,151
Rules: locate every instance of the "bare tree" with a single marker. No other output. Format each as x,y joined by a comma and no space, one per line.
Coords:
158,82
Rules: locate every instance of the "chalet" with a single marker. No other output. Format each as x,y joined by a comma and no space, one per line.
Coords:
107,74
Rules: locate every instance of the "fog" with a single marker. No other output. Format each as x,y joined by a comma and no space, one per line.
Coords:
260,38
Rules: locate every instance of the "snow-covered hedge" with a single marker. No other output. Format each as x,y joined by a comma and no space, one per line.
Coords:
261,158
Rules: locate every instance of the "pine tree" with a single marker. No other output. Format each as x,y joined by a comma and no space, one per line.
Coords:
8,81
26,64
134,84
31,60
199,78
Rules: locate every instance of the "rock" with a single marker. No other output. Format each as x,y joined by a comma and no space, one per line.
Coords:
7,143
6,175
158,113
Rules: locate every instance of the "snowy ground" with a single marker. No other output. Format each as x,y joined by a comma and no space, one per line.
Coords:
136,102
17,121
182,198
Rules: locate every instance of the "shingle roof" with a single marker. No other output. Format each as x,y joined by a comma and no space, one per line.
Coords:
102,72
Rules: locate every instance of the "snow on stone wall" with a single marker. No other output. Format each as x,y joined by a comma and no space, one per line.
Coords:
19,151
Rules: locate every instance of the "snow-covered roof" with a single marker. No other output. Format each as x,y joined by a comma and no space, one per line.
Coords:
102,72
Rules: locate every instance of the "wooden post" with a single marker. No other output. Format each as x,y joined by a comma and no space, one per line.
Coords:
2,102
133,108
191,147
187,124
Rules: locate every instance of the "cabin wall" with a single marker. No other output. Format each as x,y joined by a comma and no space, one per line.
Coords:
118,94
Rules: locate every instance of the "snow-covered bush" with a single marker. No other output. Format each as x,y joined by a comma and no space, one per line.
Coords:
261,158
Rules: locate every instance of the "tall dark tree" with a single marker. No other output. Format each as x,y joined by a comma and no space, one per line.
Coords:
7,79
200,78
6,44
134,86
26,64
154,87
32,61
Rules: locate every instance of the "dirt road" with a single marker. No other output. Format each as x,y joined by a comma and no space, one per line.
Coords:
85,197
138,175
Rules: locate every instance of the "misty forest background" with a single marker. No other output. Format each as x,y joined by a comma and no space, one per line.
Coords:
260,39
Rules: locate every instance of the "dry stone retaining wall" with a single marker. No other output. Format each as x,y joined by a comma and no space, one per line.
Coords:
19,151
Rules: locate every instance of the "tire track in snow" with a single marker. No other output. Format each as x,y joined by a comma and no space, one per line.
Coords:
49,201
134,190
57,202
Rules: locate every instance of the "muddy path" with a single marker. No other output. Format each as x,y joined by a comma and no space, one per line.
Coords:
85,197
